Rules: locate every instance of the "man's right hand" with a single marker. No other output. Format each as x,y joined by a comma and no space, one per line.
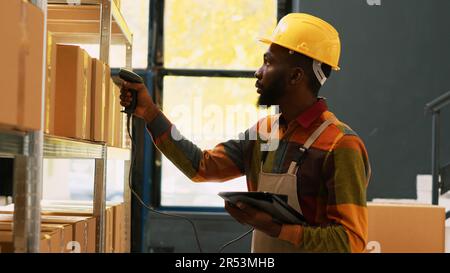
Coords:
145,108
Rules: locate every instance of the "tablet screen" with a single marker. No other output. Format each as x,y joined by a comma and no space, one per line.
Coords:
274,204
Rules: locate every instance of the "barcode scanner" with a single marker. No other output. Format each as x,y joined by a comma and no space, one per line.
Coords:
132,77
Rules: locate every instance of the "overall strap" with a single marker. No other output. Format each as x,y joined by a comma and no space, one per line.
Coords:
305,147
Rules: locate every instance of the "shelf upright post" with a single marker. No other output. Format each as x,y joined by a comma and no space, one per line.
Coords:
129,56
28,176
105,30
100,164
21,230
100,200
28,194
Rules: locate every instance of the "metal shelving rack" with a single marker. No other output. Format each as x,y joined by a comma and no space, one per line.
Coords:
92,21
24,148
81,24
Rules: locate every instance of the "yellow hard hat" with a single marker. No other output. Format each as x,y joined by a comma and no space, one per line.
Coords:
308,35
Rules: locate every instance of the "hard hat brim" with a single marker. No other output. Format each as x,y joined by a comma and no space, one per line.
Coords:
269,41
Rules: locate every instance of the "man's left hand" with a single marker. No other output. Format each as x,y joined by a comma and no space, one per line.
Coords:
260,220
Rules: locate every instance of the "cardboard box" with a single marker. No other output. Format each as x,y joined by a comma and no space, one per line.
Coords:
84,210
109,230
32,110
91,234
50,85
73,92
65,232
84,232
101,75
58,209
50,241
83,229
62,212
9,16
115,119
109,118
7,246
22,59
8,209
119,119
112,113
45,244
119,228
6,225
408,228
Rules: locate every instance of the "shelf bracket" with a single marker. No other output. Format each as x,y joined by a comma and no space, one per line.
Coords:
105,30
27,196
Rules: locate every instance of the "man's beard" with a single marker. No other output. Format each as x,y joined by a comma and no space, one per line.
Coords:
271,94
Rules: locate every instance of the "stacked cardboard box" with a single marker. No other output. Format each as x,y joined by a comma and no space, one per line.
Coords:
108,123
119,240
82,101
71,211
50,85
34,69
120,129
65,233
109,230
83,230
49,242
73,93
22,58
72,83
116,240
101,75
67,222
82,211
10,16
114,125
54,237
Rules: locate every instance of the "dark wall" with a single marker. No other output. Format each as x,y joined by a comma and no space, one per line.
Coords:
395,58
166,234
6,176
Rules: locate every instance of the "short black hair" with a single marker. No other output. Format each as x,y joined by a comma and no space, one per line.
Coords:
306,63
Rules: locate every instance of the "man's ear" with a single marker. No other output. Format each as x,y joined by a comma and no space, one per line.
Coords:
297,74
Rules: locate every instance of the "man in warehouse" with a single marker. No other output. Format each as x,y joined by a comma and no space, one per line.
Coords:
320,163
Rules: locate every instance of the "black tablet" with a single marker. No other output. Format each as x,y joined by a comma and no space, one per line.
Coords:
274,204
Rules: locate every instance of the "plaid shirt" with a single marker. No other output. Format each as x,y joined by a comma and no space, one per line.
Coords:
331,182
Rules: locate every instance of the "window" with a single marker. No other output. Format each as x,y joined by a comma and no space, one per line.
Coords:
218,35
207,110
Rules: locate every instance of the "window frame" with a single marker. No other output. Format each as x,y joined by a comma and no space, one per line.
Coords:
158,71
